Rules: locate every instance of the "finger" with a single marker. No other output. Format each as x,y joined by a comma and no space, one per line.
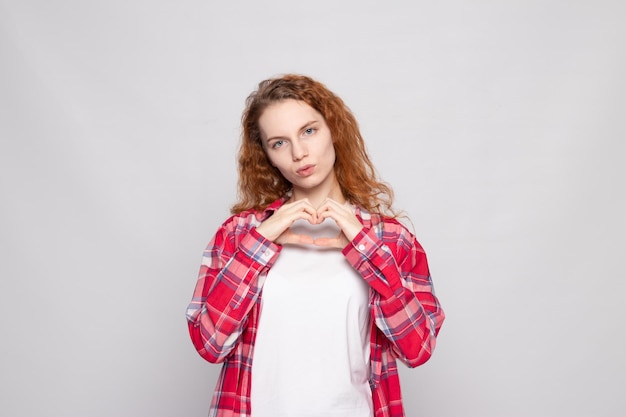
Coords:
300,209
300,239
347,222
330,205
326,242
288,237
283,218
304,206
332,242
334,204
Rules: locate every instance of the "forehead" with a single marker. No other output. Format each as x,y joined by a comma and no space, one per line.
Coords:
287,116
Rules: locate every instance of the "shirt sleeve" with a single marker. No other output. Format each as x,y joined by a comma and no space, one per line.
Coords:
234,266
404,305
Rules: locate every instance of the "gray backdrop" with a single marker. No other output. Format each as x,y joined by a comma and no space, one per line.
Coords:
500,125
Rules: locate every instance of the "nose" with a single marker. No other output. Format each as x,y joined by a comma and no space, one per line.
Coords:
298,150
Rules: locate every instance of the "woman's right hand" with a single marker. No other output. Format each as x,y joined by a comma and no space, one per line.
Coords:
276,227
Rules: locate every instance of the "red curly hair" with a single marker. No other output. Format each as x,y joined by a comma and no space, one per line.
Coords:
260,183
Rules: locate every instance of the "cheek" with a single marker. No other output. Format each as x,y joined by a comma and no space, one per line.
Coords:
330,151
277,161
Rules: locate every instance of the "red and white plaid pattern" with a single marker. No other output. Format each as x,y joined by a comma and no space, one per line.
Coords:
224,311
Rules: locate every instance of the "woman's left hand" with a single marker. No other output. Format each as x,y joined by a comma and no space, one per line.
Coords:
346,220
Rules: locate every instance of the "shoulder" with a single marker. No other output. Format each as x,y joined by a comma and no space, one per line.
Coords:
243,221
390,230
377,220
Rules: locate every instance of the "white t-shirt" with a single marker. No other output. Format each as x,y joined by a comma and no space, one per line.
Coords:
311,354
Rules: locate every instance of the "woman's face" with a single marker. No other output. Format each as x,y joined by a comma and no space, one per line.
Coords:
298,142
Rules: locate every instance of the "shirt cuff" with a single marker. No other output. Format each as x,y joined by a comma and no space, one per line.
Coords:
259,248
362,243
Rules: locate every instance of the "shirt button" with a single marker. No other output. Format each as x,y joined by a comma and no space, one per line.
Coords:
268,254
361,247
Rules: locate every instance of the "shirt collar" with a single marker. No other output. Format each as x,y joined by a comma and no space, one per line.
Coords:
269,210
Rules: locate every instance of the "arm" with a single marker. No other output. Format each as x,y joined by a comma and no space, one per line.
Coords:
404,306
231,276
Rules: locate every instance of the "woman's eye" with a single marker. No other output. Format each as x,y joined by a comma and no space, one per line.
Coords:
309,131
277,144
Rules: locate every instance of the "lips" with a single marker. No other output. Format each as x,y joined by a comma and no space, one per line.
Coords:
306,170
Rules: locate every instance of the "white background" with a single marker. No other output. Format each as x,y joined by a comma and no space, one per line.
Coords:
500,124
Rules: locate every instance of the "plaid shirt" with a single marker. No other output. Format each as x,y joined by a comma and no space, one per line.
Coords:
224,313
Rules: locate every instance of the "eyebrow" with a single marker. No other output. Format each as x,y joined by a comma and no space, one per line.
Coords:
304,127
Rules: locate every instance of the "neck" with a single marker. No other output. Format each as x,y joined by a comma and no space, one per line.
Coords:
317,195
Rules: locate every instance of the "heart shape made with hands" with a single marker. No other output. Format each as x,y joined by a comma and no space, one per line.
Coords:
325,234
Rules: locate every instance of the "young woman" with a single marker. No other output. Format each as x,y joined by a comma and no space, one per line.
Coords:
312,289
